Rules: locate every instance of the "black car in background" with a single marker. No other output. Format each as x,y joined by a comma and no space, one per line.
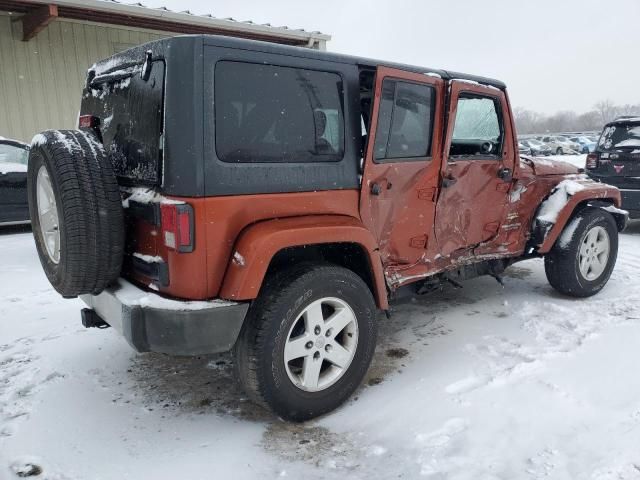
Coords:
14,209
616,160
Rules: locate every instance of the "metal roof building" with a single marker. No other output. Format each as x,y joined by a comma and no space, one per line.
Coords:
46,48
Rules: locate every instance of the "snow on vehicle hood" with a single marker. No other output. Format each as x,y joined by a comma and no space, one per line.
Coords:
549,167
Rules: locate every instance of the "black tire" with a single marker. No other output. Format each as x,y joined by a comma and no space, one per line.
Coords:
89,208
259,351
559,151
562,263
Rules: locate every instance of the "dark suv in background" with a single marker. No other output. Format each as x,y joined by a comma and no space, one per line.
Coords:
616,160
14,208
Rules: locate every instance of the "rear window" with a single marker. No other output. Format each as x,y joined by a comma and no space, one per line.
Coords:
268,113
130,111
620,136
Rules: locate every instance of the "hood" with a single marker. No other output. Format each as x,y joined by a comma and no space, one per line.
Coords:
549,167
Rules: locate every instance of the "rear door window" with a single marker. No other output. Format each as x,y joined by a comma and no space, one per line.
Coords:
404,121
268,113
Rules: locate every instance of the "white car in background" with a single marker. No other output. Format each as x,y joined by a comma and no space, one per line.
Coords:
562,145
587,145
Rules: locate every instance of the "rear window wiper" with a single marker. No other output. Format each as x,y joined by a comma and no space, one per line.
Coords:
115,75
122,71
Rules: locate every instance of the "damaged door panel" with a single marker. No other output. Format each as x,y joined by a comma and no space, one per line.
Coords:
477,171
402,163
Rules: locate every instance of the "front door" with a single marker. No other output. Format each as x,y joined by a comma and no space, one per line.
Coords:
477,170
401,168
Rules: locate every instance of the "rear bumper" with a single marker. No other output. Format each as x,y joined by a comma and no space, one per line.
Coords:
631,202
151,323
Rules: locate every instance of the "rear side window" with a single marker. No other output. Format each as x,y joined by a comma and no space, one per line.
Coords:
478,128
404,121
268,113
620,136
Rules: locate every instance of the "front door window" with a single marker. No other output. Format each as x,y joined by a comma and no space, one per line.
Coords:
478,130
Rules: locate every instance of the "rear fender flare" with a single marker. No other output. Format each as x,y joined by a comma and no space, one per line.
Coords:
260,242
598,192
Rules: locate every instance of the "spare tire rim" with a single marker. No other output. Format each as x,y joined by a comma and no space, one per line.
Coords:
321,344
48,215
594,253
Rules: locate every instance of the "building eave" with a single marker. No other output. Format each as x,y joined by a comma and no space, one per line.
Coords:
163,19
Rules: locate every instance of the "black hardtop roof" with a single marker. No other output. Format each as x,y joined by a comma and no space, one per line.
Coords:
268,47
221,41
626,119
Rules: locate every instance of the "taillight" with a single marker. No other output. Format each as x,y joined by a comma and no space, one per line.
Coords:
592,161
88,121
177,226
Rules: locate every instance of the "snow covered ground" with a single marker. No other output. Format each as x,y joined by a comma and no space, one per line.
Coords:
577,160
479,383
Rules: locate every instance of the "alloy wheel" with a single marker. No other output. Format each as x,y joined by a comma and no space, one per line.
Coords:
321,344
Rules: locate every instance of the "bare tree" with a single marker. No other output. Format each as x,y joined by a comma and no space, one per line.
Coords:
528,121
607,110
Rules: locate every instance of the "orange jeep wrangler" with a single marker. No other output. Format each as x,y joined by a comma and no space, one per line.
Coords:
227,194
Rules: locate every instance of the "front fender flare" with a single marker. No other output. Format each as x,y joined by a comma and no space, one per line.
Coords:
260,242
594,191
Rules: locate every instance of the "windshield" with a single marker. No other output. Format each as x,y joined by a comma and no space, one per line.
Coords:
620,135
12,154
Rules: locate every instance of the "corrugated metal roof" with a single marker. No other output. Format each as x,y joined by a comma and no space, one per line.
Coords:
165,19
186,16
188,13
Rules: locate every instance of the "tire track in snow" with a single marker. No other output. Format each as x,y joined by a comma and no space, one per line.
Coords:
559,327
20,379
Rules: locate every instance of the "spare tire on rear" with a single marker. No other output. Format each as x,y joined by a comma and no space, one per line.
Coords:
76,211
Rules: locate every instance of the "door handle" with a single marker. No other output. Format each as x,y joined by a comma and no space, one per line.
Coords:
505,174
376,188
448,181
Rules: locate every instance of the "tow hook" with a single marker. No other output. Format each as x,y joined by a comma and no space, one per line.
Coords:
90,319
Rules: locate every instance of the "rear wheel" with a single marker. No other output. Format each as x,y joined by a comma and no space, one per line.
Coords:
308,340
559,151
583,258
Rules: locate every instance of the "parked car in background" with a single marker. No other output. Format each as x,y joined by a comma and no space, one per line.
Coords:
14,209
616,161
587,145
523,149
561,145
537,147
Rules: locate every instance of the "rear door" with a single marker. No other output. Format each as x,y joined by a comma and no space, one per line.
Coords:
478,167
13,182
401,167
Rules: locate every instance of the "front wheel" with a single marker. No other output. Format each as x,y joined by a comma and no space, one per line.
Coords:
581,261
307,341
559,151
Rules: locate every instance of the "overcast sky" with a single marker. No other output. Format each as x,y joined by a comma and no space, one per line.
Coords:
553,54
